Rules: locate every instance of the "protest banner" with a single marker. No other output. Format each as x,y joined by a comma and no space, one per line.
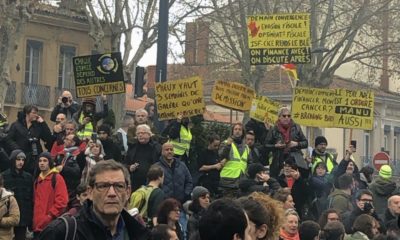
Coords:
328,108
279,38
232,95
98,74
264,110
180,96
355,109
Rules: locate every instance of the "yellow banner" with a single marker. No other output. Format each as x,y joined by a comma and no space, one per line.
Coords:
100,88
279,38
333,108
180,96
232,95
264,110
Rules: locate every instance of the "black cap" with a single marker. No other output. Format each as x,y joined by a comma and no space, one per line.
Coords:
255,168
320,139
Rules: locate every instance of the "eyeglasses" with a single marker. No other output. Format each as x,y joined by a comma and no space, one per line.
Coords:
105,186
286,115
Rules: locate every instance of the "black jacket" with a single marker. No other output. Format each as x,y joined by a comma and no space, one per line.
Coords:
69,111
248,186
21,184
152,151
259,130
88,227
274,136
20,134
111,150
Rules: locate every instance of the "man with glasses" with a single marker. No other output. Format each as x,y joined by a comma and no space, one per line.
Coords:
103,216
364,205
285,139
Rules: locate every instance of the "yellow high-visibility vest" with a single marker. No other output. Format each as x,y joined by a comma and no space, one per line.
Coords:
182,145
330,164
87,131
236,163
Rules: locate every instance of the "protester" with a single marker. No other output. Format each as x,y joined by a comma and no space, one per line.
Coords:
121,137
340,198
260,129
181,136
9,212
320,188
393,210
258,181
332,231
382,188
257,155
210,166
320,155
141,117
50,194
163,232
290,228
285,139
199,204
364,227
87,117
109,191
65,105
111,149
94,153
284,196
20,183
366,176
328,216
168,213
223,220
81,196
309,230
27,133
142,153
236,155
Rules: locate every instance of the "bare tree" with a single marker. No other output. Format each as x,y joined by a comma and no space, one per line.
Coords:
13,18
129,21
342,32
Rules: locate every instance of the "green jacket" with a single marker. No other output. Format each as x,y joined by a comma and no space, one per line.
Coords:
340,201
356,236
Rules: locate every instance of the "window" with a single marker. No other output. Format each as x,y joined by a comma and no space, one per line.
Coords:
65,69
33,61
385,143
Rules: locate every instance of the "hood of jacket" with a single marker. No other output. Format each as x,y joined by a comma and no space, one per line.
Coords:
13,157
383,187
339,192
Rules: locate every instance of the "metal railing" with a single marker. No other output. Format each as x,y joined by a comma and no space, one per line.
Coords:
35,94
11,97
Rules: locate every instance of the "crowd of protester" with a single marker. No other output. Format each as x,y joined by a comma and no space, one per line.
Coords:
256,184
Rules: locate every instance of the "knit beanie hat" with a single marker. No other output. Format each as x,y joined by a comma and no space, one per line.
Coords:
255,168
385,172
104,128
89,100
198,192
319,140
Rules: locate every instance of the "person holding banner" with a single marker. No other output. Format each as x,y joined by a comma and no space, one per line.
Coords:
285,139
86,118
181,136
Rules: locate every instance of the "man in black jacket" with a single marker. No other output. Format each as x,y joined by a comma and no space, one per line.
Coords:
104,216
65,105
258,181
27,132
21,184
142,153
111,149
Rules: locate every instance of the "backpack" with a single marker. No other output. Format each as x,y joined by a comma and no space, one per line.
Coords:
70,227
140,199
53,181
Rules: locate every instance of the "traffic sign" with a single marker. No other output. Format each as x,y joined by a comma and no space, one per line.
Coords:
380,159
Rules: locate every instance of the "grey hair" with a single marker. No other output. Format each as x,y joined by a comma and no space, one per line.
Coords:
142,110
282,109
145,127
109,165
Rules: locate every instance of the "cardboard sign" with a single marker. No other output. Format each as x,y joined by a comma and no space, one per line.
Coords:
264,110
98,74
279,38
232,95
180,96
333,108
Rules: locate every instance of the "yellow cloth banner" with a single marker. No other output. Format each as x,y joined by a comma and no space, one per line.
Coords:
264,109
340,108
180,96
232,95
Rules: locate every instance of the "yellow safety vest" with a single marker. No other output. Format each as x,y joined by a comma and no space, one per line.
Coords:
183,145
329,162
236,164
87,131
